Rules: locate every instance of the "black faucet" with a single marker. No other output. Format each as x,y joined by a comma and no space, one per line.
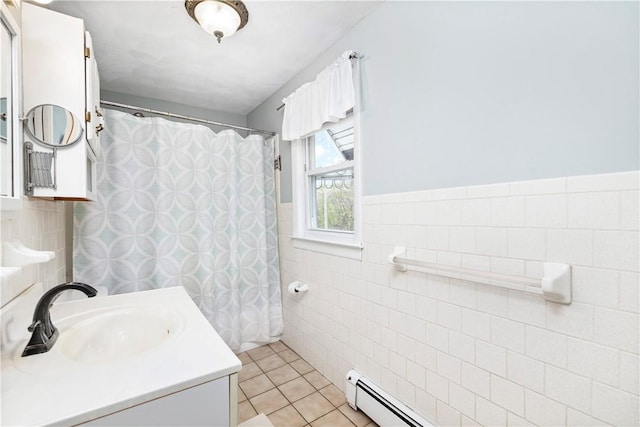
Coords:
44,333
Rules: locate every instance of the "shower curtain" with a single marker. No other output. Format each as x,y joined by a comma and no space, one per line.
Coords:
181,205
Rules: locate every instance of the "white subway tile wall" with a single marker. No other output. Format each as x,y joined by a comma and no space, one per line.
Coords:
462,353
39,225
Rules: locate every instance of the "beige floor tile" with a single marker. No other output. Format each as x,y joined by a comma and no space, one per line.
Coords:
296,389
260,352
316,379
269,402
356,417
334,418
244,358
278,346
289,355
287,417
313,406
301,366
260,420
241,396
256,385
245,411
372,424
282,375
249,371
290,378
270,363
334,395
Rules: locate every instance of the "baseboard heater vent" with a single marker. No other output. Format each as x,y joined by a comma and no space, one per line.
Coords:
362,394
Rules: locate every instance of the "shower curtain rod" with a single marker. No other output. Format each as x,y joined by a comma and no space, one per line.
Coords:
180,116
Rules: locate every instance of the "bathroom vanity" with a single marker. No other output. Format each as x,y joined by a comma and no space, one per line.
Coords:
140,359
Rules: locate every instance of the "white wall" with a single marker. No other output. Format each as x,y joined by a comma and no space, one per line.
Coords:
38,225
462,353
468,93
484,95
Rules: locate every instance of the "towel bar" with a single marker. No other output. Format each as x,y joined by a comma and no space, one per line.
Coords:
555,285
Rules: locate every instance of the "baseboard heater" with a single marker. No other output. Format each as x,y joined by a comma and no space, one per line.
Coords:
364,395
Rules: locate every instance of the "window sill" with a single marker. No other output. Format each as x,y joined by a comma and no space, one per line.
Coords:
344,250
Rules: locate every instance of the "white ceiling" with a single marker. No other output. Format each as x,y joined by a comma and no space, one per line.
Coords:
154,49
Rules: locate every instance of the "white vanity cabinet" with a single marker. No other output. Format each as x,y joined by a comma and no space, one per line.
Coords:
90,378
207,404
60,69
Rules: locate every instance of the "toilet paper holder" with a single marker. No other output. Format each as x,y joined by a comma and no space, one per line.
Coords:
297,287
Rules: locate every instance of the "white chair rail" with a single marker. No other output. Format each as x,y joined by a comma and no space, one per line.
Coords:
555,284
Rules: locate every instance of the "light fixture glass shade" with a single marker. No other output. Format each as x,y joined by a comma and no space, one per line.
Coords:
214,16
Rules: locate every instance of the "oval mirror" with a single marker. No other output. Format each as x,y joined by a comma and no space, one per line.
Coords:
53,126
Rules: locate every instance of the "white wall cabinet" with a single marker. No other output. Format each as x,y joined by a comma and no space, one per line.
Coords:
11,188
60,69
93,115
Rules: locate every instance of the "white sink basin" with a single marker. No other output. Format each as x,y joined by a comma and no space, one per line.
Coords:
119,333
113,353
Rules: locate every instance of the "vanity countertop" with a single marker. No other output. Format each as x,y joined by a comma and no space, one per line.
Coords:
51,388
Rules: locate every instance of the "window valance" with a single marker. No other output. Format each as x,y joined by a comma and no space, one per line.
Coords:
326,99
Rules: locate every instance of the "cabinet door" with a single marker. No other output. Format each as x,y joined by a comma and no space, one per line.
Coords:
54,72
95,122
203,405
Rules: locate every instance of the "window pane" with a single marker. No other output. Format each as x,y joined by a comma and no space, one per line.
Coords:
333,145
333,200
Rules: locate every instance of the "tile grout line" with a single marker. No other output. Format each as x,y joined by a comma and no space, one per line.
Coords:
300,375
278,386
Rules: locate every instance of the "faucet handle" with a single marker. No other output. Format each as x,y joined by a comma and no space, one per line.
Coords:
34,325
44,332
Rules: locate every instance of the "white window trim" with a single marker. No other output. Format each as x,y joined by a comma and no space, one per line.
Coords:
343,244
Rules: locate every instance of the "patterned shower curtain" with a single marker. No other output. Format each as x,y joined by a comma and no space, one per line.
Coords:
179,205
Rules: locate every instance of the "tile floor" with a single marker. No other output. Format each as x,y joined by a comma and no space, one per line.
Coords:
275,381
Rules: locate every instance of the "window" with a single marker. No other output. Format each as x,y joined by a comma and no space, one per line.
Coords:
326,192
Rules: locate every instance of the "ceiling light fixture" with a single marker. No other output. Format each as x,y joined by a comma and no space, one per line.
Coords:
221,18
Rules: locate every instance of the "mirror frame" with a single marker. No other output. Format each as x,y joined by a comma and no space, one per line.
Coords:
37,140
8,203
